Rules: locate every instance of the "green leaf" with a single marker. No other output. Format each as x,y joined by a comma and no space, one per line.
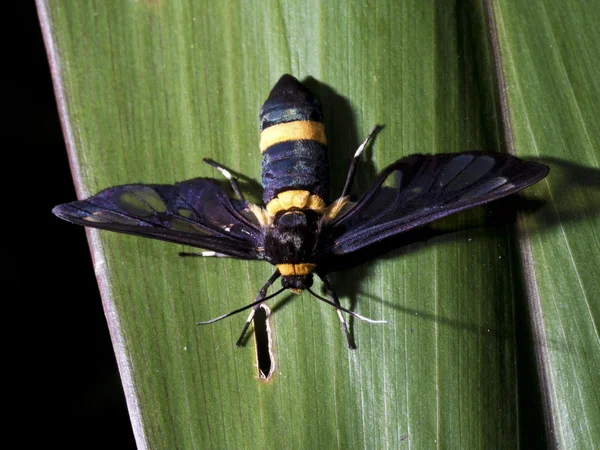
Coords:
146,89
550,59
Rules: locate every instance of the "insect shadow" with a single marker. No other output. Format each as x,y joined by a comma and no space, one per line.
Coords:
575,188
575,192
347,272
343,139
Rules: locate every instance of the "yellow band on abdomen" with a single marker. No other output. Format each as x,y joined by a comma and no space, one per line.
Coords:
295,269
295,199
292,131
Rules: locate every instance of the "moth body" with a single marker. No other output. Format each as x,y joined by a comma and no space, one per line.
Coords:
297,229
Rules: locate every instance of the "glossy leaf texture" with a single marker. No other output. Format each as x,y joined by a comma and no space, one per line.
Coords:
549,65
491,338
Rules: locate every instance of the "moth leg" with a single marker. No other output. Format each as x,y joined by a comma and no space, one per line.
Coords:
204,254
334,298
354,163
261,294
226,174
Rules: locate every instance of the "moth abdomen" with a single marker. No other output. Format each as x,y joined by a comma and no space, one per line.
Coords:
293,143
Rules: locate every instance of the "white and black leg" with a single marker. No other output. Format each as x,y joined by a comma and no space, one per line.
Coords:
354,163
261,296
334,298
205,254
227,174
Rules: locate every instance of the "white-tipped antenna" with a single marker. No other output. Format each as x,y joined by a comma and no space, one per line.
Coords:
227,174
362,146
257,302
353,164
347,311
205,254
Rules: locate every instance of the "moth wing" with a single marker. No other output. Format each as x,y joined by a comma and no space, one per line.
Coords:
195,212
428,187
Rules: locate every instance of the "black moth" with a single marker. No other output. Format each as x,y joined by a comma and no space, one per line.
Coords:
297,230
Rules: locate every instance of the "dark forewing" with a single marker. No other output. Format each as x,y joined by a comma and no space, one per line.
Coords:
426,188
195,212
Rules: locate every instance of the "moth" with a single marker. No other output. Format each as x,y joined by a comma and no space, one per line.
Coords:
297,229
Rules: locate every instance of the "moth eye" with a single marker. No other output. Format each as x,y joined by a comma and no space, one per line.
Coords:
151,197
484,188
131,204
472,173
453,168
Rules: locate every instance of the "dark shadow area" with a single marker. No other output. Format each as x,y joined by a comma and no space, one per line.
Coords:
481,84
530,383
498,214
343,140
68,372
575,192
496,217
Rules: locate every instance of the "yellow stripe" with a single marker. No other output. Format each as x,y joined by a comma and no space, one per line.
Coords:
295,269
336,208
292,131
295,199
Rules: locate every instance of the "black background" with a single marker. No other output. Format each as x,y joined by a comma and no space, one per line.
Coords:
67,392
